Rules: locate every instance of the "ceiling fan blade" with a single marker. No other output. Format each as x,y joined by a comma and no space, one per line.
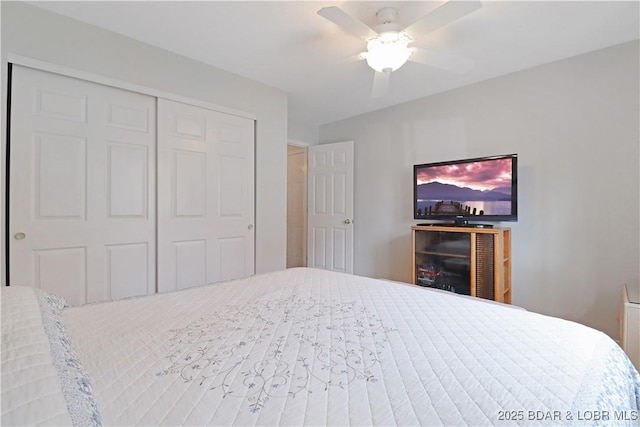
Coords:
347,22
443,15
439,59
354,58
380,84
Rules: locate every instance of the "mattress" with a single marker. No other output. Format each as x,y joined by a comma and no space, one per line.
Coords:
312,347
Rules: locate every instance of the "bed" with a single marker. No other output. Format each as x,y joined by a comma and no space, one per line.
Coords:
305,347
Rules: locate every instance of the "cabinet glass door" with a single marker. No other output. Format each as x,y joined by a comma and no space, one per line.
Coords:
443,260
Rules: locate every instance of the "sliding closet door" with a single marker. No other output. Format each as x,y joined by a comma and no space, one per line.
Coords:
205,196
82,188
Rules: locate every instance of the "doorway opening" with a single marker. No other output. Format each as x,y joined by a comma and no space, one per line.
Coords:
296,206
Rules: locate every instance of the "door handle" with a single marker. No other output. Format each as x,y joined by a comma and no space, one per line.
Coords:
347,221
19,236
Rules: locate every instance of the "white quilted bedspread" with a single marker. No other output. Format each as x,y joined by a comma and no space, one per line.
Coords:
27,367
310,347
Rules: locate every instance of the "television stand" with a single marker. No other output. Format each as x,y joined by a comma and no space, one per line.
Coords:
465,259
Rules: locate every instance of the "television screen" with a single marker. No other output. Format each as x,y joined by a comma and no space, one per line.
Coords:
481,189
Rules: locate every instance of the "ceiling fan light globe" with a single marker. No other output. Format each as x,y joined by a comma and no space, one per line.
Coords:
389,36
387,53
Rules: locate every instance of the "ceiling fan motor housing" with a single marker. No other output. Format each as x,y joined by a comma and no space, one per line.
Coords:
386,14
387,20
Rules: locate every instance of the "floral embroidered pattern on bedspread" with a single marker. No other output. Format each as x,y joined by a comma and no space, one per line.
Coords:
614,389
338,343
73,379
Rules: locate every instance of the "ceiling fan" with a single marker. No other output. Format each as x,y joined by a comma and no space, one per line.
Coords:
388,44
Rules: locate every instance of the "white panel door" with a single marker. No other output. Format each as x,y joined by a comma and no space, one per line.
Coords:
205,196
330,207
81,188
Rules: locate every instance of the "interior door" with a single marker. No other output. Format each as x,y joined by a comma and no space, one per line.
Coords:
205,196
81,188
330,207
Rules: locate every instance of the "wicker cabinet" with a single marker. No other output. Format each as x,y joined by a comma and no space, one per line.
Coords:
465,260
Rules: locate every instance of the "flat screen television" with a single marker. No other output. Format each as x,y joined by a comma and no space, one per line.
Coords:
483,189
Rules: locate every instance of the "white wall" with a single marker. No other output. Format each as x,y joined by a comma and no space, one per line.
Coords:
302,134
575,126
42,35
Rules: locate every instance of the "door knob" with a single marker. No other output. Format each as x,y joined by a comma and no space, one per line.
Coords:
250,226
347,221
19,236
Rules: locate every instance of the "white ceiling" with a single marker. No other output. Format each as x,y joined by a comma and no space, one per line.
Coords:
285,44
